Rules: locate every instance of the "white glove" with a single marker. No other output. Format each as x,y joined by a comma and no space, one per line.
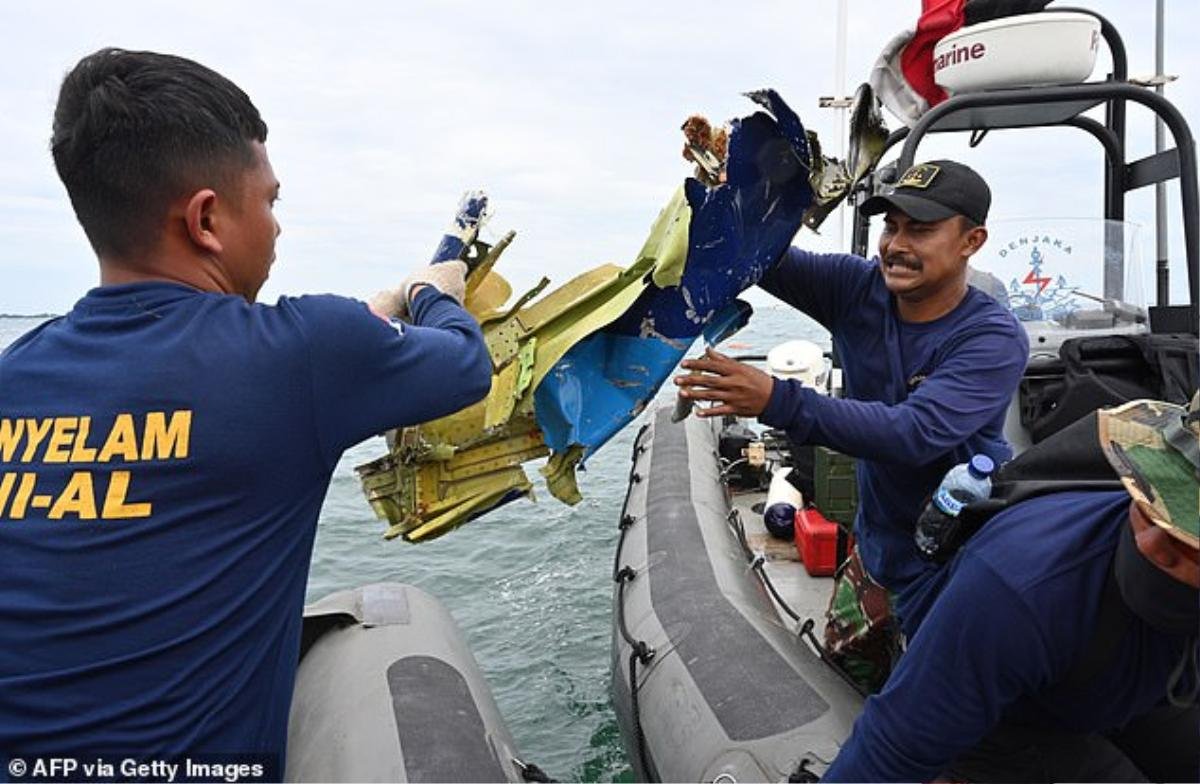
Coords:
389,304
448,277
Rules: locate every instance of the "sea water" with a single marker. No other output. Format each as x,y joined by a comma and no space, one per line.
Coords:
529,584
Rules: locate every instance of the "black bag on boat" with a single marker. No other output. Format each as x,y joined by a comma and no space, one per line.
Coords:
1107,370
1070,460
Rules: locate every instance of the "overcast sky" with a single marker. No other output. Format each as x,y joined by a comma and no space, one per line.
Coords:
568,114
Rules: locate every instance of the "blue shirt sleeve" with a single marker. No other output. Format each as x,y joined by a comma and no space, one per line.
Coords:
369,376
819,284
959,397
978,652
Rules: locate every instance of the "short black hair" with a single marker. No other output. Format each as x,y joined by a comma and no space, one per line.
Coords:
135,130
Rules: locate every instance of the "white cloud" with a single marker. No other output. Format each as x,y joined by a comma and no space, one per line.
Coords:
381,114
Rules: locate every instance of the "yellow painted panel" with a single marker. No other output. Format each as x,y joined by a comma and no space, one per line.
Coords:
503,397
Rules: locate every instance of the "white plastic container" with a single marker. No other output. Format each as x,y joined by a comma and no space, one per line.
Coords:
801,360
783,499
1051,47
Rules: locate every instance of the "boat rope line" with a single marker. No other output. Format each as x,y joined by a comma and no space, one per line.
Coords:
699,599
641,651
727,467
636,710
532,773
758,566
734,518
674,502
802,774
634,478
627,521
758,563
806,631
644,652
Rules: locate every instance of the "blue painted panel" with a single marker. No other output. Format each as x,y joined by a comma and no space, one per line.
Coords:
728,321
599,386
738,230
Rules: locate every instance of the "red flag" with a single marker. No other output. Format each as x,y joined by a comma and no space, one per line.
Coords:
903,74
938,19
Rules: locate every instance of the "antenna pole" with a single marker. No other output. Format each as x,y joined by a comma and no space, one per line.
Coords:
1160,189
839,79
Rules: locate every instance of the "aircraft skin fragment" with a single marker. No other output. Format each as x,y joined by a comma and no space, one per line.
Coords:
572,367
737,228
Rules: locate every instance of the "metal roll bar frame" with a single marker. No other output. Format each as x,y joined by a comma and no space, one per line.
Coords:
1063,106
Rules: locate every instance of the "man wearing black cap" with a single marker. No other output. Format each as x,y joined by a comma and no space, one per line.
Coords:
929,363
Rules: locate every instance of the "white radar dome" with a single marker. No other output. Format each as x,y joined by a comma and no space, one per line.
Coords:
1051,47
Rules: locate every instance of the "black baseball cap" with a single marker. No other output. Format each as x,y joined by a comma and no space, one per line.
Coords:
933,191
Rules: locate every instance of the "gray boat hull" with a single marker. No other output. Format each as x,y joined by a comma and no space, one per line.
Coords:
724,691
387,690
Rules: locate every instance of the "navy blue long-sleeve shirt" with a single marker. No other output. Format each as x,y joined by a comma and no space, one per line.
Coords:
1006,622
920,397
164,454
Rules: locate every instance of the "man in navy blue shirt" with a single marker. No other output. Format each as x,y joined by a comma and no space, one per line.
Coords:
929,363
1010,677
165,447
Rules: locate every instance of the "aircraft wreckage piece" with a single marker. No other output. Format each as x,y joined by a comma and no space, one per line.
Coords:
574,367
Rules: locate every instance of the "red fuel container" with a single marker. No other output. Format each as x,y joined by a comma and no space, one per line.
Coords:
816,541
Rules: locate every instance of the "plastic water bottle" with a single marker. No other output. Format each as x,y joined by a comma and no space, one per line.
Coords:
966,482
783,499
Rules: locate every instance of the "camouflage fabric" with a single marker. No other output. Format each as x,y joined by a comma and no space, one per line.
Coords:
1155,449
861,634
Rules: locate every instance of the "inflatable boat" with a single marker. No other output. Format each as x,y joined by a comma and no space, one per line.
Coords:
717,674
387,690
711,681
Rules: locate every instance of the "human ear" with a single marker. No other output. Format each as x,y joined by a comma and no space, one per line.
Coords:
200,217
1155,546
975,239
1164,551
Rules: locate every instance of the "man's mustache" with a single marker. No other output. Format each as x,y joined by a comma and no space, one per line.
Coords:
901,260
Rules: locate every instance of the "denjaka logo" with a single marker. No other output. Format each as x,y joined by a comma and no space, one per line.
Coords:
1043,292
959,54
